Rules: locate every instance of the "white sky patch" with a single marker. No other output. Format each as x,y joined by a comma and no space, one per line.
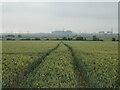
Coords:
59,0
0,17
50,16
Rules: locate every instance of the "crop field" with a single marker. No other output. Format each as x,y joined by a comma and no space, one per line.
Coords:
60,64
21,57
98,61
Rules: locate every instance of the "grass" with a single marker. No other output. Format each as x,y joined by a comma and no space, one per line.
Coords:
17,56
56,71
96,61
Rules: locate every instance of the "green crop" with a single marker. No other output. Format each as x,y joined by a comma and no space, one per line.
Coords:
98,61
53,64
56,71
17,56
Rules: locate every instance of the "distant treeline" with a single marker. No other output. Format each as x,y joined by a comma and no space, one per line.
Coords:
78,38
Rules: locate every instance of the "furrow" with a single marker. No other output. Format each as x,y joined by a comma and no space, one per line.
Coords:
18,80
55,72
81,82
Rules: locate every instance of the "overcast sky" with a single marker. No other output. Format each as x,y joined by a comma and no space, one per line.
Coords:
50,16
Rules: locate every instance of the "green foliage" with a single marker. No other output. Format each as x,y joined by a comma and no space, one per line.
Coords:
70,39
113,39
26,39
10,39
98,61
64,38
57,39
55,72
47,39
10,35
79,38
95,38
19,35
17,56
37,38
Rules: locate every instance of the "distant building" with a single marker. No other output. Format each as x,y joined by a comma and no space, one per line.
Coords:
101,32
109,32
68,32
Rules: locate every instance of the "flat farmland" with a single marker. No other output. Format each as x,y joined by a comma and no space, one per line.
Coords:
20,58
60,64
98,62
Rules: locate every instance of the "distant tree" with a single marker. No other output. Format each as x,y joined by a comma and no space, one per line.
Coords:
85,39
37,38
57,39
10,39
64,38
101,40
70,39
19,35
22,39
10,36
47,39
113,39
79,38
95,38
27,39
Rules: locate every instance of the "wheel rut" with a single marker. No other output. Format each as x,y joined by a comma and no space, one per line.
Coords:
19,79
55,72
81,82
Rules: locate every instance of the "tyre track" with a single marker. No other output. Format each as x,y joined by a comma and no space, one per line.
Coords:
81,82
55,72
19,79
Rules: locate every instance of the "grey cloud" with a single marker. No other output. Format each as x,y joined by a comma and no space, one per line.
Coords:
49,16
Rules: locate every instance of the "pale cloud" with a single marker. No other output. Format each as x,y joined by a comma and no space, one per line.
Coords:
46,17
